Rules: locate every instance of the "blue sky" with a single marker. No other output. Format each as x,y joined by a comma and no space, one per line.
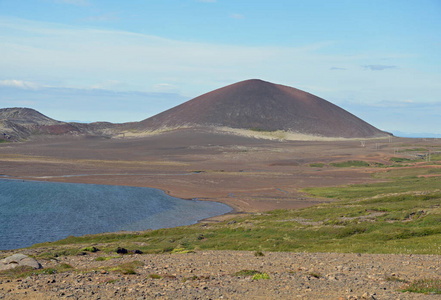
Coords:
118,61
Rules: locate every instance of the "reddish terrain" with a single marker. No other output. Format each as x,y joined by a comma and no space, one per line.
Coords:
249,174
260,105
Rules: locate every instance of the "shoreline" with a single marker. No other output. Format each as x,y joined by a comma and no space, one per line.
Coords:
167,193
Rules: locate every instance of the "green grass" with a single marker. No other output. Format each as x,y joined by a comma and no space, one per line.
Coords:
425,286
400,215
317,165
247,273
261,276
181,251
399,159
24,271
105,258
127,268
350,163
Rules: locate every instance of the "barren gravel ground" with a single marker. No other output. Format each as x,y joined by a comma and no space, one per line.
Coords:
209,275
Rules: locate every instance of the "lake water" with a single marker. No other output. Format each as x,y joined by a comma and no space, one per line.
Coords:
34,212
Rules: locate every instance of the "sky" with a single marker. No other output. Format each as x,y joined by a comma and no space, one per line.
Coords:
120,61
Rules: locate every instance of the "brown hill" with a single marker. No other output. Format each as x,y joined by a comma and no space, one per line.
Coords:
259,105
20,123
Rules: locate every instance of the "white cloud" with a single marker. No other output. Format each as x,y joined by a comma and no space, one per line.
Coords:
84,58
18,84
379,67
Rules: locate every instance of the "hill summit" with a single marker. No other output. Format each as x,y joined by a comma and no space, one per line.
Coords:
259,105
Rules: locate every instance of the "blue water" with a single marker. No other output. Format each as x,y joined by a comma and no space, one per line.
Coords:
34,212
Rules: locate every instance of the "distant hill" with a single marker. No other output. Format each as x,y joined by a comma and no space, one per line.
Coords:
264,106
248,105
19,123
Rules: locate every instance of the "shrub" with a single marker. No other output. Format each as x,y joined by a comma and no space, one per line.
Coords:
90,249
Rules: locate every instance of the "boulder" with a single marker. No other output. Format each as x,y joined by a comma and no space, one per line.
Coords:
18,260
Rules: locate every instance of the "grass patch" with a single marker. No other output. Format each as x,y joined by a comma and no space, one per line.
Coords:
181,251
315,275
260,276
24,271
399,159
127,268
106,258
317,165
350,163
155,276
247,273
425,286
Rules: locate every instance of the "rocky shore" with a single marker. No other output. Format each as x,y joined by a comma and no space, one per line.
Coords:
226,275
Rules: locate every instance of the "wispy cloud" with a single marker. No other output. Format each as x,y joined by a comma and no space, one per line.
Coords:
378,67
86,58
18,84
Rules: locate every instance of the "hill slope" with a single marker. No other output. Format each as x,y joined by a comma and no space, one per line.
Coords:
20,123
260,105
